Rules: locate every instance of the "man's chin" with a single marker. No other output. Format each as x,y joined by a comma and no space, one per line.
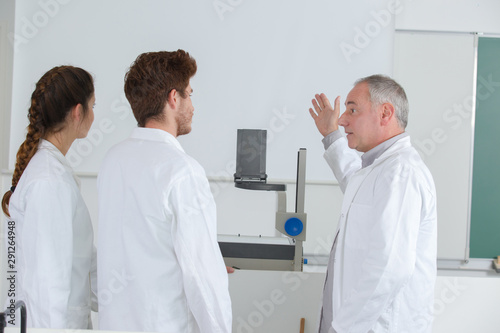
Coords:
351,143
183,131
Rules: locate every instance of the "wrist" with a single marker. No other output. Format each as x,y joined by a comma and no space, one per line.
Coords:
329,131
331,138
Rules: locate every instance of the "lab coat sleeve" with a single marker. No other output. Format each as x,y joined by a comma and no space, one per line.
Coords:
343,161
394,220
195,242
50,210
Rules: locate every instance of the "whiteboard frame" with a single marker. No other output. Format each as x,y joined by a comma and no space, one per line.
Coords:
476,50
471,167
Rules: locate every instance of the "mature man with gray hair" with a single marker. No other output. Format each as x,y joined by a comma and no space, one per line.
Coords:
382,266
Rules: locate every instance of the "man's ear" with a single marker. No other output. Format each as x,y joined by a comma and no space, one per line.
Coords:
387,113
173,98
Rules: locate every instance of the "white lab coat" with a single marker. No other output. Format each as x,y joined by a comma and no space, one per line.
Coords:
159,264
385,258
54,243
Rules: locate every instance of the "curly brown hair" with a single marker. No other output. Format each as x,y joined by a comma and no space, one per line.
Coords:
151,78
55,94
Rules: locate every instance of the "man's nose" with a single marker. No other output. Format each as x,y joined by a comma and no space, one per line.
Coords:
343,119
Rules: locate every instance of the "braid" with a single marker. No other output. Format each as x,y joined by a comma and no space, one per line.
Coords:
57,91
36,130
29,147
26,151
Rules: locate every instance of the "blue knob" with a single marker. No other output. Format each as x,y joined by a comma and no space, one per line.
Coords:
293,226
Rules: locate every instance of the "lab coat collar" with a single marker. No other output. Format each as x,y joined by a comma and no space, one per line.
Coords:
154,134
47,145
370,156
55,152
402,143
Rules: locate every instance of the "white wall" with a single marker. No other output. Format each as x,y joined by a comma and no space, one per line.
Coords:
250,76
259,66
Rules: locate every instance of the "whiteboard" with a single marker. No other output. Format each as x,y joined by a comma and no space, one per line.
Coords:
437,72
259,65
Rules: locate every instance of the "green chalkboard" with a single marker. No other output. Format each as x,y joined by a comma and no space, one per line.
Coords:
485,205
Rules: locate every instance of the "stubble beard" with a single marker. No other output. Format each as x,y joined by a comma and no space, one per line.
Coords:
183,124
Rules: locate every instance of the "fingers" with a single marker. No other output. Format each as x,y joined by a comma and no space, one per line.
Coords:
321,102
312,113
325,116
319,98
324,101
317,107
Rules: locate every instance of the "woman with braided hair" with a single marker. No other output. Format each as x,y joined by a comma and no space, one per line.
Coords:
55,256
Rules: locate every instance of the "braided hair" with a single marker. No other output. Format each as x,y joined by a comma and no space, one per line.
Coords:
56,93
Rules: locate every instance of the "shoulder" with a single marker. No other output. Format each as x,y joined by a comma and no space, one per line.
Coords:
45,167
162,160
405,164
38,188
185,167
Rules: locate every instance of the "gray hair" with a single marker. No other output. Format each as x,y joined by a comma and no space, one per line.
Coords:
382,90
